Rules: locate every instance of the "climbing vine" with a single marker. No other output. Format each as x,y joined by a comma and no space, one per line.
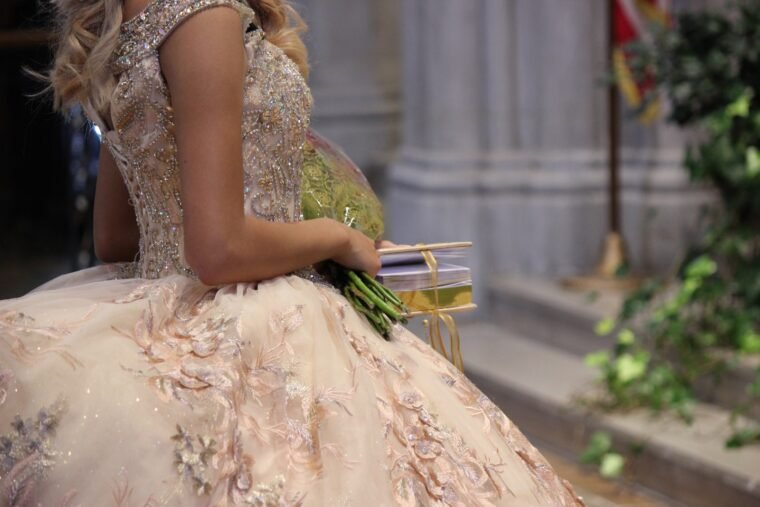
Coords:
669,336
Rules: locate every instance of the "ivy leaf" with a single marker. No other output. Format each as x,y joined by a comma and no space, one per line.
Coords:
599,445
749,342
604,326
753,162
690,286
612,465
742,437
739,107
626,337
701,267
629,368
597,359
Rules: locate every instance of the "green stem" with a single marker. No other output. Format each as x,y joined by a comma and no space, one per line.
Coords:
355,302
359,294
378,287
394,316
383,291
378,322
361,307
389,297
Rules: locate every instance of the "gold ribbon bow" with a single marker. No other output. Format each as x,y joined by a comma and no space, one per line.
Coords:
433,324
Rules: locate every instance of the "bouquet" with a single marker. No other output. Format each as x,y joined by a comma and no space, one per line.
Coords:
333,187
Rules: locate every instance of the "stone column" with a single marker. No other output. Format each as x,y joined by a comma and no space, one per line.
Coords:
433,194
534,189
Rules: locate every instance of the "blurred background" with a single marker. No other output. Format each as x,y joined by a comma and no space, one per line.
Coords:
489,121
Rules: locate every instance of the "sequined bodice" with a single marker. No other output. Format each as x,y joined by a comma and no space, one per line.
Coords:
277,105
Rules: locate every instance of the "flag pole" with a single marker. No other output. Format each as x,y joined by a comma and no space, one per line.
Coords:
614,129
609,272
613,255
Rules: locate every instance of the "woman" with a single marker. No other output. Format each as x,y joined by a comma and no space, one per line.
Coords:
222,370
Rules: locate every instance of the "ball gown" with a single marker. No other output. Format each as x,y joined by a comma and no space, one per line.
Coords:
136,384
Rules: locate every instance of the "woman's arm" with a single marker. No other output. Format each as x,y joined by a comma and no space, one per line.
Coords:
114,224
204,64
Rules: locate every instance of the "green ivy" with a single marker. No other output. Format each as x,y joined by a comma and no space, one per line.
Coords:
601,454
669,335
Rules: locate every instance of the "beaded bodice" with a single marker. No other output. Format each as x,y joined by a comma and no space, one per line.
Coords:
276,109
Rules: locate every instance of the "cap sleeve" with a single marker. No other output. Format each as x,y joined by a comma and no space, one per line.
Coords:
144,34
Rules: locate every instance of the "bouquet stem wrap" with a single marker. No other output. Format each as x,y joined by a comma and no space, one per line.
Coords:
333,186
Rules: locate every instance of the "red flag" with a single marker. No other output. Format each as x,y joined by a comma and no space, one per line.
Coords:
631,18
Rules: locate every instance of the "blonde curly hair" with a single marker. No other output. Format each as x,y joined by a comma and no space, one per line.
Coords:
88,32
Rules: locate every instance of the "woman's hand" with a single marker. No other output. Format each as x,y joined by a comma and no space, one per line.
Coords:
359,253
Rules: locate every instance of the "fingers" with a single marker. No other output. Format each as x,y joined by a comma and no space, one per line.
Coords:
373,267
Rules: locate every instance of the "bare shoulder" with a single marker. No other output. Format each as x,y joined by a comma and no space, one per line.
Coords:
131,8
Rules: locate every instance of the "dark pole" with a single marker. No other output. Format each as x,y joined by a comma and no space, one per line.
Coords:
609,271
614,133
